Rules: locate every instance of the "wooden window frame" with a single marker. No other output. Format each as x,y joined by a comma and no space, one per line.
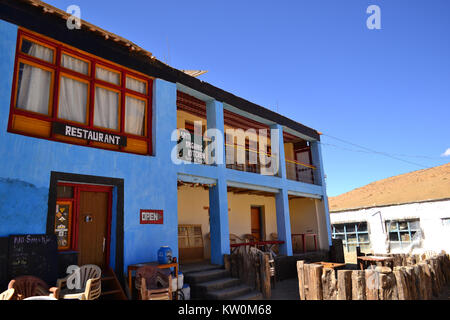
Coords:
58,71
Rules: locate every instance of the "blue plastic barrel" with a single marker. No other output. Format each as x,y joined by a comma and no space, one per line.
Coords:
164,255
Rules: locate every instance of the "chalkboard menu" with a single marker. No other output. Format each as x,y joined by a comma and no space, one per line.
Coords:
35,255
3,262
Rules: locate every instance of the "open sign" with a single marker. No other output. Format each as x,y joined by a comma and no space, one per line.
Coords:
151,216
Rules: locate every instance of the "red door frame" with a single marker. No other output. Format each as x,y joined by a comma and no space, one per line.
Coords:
77,189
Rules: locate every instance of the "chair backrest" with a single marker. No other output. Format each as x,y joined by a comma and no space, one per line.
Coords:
235,239
155,294
7,295
89,271
28,286
249,237
93,288
155,278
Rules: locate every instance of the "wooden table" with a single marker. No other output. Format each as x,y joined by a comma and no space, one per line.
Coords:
331,265
134,267
362,260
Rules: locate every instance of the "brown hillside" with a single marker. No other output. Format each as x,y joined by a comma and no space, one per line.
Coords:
421,185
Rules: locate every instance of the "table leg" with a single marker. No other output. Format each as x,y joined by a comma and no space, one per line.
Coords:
304,243
129,283
176,275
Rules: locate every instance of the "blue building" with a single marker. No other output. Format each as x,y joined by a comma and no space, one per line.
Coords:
90,125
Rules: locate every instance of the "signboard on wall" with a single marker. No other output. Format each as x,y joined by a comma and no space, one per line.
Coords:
148,216
88,134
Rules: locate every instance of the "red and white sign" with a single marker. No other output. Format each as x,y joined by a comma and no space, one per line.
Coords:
151,216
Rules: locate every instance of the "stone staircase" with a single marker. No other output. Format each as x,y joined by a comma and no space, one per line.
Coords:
212,282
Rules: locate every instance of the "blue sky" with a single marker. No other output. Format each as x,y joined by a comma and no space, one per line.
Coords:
316,62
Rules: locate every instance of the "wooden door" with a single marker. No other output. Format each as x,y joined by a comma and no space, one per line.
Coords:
190,242
92,228
256,223
304,174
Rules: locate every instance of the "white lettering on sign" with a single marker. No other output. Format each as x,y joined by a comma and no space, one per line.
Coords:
152,216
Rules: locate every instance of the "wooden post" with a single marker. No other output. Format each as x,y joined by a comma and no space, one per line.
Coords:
420,282
397,260
411,281
329,284
428,291
358,285
307,285
344,283
265,276
402,286
372,283
315,282
301,279
227,262
387,287
434,281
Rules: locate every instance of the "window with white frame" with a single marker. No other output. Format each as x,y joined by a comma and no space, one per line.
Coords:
352,234
403,232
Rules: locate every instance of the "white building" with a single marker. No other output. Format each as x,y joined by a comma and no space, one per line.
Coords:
400,214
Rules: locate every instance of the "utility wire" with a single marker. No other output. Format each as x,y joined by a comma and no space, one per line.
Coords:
368,150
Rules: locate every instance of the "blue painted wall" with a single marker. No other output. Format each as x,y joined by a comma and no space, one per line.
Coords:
149,182
26,163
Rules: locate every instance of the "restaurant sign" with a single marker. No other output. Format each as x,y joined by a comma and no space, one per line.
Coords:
151,216
88,134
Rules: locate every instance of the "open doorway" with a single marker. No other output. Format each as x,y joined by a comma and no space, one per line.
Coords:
193,222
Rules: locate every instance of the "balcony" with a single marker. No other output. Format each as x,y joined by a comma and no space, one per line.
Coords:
248,159
302,172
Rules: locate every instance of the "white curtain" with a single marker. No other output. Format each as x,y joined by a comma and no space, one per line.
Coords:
75,64
34,83
38,51
106,110
135,116
136,85
73,97
108,76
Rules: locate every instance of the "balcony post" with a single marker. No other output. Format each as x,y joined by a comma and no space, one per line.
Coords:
316,153
283,222
218,197
280,154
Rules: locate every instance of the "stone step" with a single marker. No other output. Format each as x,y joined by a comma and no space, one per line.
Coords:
200,290
228,293
194,278
252,295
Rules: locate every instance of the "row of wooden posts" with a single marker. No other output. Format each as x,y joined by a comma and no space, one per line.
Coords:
412,277
252,267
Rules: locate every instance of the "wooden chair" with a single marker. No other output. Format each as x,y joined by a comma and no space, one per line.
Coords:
275,248
90,284
249,238
31,286
151,276
235,239
7,295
